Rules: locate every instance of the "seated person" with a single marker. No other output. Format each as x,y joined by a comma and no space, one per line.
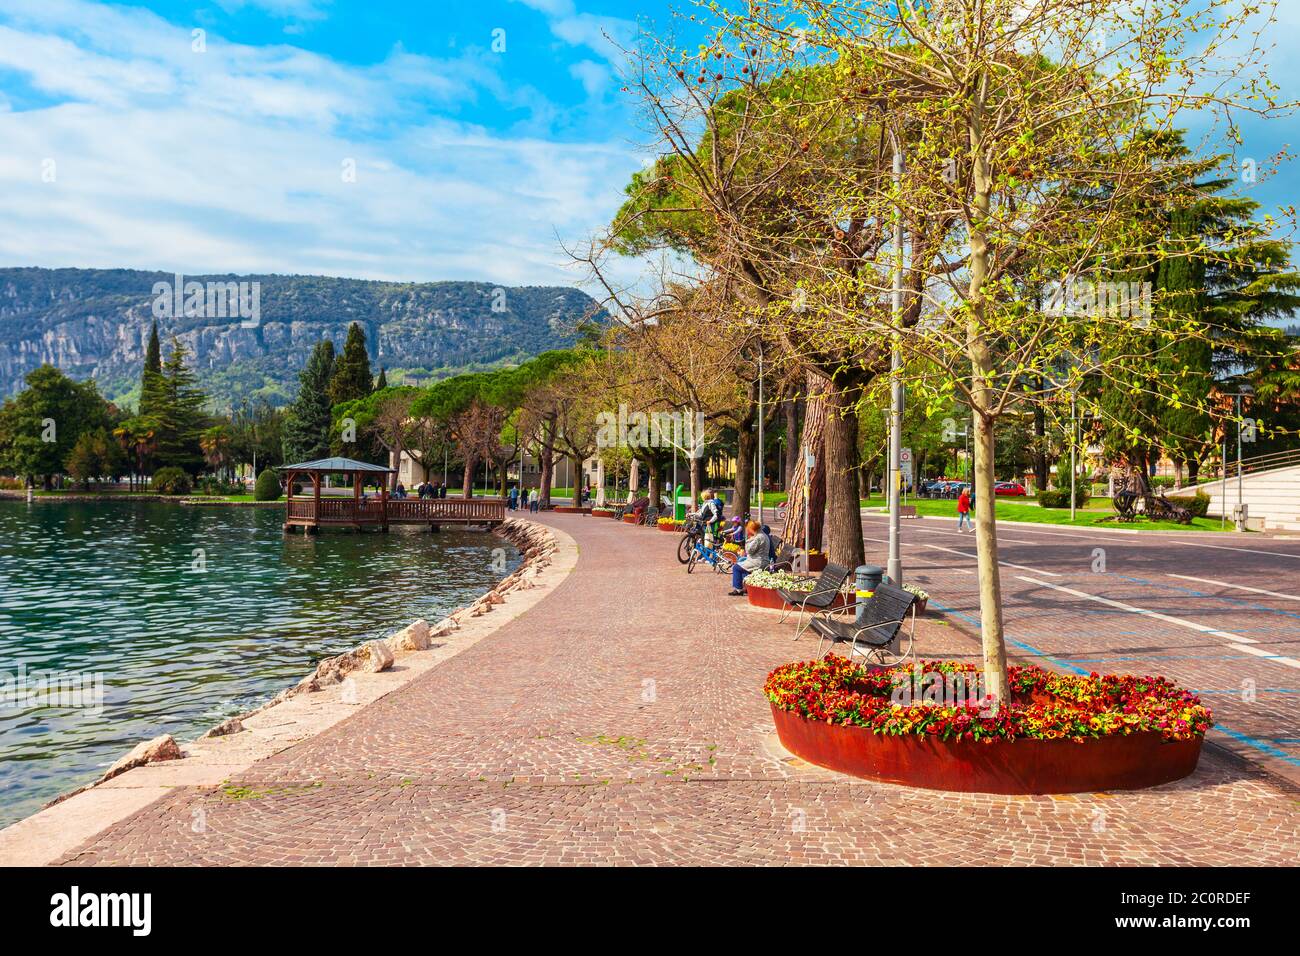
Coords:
757,557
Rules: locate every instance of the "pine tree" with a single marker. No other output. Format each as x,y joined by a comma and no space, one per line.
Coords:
306,430
151,377
178,408
1225,269
352,378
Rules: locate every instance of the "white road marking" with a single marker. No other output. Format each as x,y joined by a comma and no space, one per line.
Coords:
1239,587
1224,547
1191,625
1285,661
1007,564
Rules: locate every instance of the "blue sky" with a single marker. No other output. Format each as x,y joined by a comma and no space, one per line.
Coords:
125,144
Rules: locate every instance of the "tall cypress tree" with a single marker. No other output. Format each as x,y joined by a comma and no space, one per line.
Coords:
352,378
382,382
151,377
306,429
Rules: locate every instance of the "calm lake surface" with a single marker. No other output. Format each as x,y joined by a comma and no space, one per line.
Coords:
110,590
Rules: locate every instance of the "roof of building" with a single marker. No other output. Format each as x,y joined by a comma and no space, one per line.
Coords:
337,464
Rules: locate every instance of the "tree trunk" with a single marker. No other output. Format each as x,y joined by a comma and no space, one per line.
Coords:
1193,469
843,515
467,488
697,478
544,479
982,370
654,483
1040,444
790,467
745,444
801,488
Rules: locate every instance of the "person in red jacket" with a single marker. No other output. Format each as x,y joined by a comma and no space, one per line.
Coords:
963,512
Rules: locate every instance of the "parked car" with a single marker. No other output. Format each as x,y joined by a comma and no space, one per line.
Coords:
1009,488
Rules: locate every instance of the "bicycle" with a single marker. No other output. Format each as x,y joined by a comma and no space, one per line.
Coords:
721,559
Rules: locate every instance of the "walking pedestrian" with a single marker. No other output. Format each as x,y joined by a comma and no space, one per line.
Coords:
963,511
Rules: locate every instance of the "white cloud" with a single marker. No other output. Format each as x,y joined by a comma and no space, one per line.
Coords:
593,76
232,160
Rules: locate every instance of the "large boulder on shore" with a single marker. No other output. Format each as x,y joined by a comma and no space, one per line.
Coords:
150,751
413,637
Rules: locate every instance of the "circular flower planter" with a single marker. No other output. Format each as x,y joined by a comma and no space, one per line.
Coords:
1058,733
768,598
603,514
570,510
671,528
631,519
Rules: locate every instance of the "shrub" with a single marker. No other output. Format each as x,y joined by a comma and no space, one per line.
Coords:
1100,490
1197,504
172,481
267,487
1163,481
210,485
1060,497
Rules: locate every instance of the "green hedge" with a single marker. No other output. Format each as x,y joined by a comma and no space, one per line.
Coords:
1198,505
1060,497
172,481
267,487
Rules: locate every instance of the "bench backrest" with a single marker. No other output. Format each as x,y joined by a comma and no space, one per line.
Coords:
833,576
888,605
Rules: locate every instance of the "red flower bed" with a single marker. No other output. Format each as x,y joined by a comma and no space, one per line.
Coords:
1044,705
1057,733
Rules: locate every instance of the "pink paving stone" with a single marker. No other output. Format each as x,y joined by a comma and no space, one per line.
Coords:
621,721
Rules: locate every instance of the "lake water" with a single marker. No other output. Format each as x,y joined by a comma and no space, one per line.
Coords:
189,616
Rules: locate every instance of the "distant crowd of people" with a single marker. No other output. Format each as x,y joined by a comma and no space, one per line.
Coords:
425,489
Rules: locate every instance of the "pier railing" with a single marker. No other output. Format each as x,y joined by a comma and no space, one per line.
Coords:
371,511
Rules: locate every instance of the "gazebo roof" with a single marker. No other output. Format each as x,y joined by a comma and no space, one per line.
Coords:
337,464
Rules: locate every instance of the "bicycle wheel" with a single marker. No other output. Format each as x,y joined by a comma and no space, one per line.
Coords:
684,548
691,559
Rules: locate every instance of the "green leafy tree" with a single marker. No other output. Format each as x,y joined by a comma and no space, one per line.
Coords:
95,455
306,434
256,433
352,379
41,424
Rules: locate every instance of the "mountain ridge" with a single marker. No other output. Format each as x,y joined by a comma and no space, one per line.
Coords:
94,323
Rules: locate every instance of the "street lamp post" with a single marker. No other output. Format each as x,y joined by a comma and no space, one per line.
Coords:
1074,470
894,567
759,469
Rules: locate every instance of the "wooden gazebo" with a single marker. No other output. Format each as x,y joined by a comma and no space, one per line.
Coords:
346,511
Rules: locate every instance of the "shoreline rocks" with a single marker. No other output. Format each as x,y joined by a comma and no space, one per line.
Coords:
534,542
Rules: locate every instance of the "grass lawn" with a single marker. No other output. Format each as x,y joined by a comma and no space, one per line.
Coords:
1093,515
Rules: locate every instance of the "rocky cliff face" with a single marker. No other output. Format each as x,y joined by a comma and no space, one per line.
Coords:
95,324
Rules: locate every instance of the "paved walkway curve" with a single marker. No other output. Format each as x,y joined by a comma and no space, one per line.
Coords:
621,721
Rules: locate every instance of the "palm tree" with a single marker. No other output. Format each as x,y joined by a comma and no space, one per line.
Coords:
139,437
215,443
